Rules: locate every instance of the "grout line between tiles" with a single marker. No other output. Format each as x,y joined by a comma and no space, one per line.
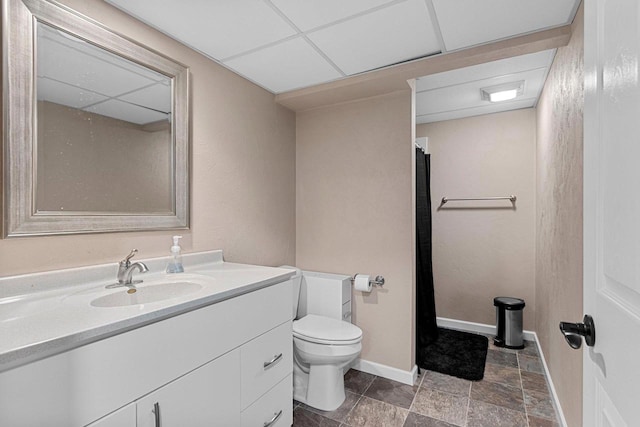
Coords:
346,416
369,385
447,393
387,403
524,401
466,414
417,391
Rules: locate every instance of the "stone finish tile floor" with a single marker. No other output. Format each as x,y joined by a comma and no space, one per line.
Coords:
513,393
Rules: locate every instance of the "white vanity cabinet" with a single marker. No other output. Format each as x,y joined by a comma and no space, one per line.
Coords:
218,365
123,417
207,396
267,379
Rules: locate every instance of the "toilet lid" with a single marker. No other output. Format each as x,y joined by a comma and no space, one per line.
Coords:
325,330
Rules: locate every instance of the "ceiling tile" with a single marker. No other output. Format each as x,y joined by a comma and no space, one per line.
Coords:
156,97
394,34
218,28
467,95
64,94
466,23
476,111
126,112
502,67
288,65
315,13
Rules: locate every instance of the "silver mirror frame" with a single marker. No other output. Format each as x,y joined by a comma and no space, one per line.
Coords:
19,144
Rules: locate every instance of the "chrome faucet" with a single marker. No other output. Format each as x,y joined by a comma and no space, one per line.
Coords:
125,271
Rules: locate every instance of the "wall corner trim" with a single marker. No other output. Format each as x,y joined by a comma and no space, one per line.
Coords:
388,372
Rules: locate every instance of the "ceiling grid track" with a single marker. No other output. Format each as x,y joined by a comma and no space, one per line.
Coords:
355,15
261,47
436,25
307,52
304,36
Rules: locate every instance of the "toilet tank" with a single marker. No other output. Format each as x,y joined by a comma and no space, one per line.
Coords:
325,294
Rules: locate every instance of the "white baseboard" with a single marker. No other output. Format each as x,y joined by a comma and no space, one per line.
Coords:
461,325
388,372
481,328
552,389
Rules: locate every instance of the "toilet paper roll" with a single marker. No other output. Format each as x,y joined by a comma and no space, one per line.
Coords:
362,283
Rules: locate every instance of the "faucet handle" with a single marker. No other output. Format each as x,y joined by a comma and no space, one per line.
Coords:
128,257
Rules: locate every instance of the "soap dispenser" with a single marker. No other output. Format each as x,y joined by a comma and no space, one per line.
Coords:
175,263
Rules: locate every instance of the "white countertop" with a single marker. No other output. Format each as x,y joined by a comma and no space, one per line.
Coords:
48,313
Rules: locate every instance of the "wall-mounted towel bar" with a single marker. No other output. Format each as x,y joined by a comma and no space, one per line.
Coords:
512,198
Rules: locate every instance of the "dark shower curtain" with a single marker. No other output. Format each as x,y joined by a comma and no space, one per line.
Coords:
426,328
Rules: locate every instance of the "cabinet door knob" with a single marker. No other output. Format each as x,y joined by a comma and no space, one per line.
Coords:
156,413
273,361
273,420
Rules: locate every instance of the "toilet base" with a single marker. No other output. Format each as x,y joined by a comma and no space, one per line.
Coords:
321,388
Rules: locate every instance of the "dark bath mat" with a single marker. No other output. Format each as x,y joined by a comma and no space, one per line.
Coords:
456,353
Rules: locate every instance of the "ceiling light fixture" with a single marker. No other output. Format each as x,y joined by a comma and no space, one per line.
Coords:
503,92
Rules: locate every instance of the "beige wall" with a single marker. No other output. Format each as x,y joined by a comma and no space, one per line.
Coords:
354,212
242,172
483,249
559,219
85,160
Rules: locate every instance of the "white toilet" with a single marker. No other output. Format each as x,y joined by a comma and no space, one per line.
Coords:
324,340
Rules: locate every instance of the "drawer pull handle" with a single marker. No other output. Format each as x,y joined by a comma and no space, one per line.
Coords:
273,361
273,420
156,413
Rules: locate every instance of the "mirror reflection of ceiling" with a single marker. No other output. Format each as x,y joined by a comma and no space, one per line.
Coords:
77,74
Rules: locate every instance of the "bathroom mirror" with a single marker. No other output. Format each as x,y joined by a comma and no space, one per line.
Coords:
95,127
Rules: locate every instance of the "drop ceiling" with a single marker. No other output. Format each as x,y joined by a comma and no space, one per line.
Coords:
456,94
284,45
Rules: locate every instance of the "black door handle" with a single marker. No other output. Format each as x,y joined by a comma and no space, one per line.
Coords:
573,332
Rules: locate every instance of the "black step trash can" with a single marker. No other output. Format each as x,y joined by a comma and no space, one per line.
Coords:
509,322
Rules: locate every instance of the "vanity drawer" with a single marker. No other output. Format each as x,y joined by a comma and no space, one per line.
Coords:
265,361
278,400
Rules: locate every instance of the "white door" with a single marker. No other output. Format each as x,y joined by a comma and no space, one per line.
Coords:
612,212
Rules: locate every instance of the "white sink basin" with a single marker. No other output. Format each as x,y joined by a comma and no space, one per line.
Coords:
146,294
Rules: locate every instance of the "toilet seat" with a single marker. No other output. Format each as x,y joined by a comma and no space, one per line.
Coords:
324,330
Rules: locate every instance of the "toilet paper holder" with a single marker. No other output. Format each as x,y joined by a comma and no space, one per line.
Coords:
378,281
